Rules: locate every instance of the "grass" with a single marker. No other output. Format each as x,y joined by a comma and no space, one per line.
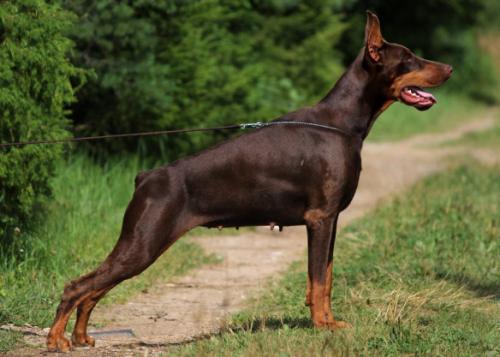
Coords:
484,139
487,139
420,276
9,339
401,121
81,226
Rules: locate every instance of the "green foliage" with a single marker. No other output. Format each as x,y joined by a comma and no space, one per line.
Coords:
80,228
35,86
120,42
178,64
488,18
417,277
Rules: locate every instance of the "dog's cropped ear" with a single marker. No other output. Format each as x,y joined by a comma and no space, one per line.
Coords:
373,37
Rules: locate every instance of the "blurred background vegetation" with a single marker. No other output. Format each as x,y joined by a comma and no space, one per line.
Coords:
85,67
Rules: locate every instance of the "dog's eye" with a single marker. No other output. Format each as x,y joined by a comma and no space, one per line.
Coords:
404,67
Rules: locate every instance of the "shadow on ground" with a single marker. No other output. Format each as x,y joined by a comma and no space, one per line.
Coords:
479,288
273,323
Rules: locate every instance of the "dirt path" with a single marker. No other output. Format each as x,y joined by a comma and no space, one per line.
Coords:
198,304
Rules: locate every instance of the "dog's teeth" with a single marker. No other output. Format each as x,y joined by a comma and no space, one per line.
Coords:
413,92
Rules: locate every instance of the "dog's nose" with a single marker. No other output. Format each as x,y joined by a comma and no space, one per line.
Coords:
449,69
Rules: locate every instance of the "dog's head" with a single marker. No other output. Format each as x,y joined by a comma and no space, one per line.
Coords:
398,72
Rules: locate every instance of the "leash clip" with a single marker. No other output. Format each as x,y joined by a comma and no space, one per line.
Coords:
255,125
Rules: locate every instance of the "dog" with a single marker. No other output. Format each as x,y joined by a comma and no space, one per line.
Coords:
281,174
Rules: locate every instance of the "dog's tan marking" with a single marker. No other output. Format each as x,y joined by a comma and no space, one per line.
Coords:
314,217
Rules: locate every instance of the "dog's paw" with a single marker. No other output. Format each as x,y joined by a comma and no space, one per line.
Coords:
337,324
58,344
82,340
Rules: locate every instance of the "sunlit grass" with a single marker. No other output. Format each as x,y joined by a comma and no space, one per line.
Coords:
488,139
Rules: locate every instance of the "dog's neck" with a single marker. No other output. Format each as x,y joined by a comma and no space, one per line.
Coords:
355,101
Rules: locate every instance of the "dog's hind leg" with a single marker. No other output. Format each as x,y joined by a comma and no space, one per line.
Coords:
80,336
154,220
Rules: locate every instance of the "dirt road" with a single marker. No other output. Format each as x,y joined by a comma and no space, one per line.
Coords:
198,304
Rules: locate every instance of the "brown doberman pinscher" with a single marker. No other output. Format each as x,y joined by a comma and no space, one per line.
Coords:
281,174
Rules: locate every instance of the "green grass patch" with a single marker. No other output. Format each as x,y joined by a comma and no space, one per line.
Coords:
80,228
9,339
419,276
489,139
401,121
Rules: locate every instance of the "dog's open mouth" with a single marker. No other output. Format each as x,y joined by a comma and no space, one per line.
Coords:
417,97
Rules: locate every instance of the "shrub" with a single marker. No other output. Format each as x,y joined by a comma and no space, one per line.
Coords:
35,86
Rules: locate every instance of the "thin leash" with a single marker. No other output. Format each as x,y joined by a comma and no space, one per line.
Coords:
256,125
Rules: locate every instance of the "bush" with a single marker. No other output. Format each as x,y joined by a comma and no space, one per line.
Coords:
35,86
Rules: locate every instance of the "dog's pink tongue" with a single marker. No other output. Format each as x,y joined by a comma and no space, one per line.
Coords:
425,95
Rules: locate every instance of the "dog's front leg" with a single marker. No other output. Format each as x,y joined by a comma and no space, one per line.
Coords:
321,240
329,275
332,323
319,231
328,269
308,287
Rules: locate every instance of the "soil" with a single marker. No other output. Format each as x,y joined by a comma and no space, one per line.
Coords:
198,304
